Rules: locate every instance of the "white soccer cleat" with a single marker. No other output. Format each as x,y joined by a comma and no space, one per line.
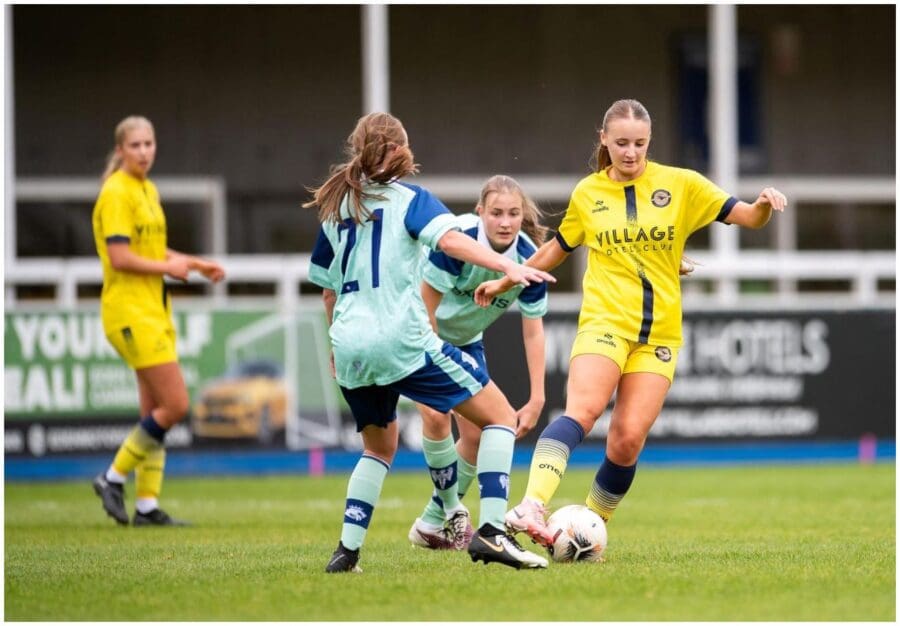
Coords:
530,517
425,535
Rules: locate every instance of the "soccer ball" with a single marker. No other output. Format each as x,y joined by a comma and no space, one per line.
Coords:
578,534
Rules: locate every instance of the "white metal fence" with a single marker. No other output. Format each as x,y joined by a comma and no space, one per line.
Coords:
863,271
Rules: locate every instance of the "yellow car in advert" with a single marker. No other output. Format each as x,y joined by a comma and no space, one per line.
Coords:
249,401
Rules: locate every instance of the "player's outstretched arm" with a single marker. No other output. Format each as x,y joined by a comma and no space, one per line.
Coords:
462,247
757,215
548,257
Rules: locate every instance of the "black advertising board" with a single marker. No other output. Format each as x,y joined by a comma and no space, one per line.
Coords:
741,375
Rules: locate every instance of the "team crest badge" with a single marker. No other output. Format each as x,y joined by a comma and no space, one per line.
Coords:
443,477
355,513
663,354
660,198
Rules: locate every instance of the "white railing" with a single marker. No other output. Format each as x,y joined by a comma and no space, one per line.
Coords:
209,191
862,270
783,265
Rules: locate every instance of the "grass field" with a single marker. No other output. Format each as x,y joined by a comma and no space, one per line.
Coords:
745,543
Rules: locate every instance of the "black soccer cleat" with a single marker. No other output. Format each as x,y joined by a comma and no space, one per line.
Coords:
343,560
113,497
157,517
494,546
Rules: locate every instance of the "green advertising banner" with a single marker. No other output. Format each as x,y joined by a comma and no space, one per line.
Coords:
254,377
61,365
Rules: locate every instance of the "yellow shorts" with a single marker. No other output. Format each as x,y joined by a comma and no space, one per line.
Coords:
630,356
145,344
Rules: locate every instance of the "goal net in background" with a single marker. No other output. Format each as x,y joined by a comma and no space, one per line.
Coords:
298,342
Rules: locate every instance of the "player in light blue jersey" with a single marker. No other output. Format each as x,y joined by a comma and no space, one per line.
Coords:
367,258
507,221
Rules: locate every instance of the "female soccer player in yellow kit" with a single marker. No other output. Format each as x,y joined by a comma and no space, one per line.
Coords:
130,235
634,216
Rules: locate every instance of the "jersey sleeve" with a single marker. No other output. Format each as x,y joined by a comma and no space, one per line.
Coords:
116,216
708,203
427,219
441,271
320,267
571,231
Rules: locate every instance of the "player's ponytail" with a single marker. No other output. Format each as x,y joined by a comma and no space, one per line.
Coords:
368,161
531,214
114,161
600,159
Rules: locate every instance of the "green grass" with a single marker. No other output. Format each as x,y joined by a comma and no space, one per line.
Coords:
722,544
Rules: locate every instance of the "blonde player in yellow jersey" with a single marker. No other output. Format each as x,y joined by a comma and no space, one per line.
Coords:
130,235
634,216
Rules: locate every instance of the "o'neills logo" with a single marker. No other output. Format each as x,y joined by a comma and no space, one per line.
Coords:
660,198
551,468
616,236
663,354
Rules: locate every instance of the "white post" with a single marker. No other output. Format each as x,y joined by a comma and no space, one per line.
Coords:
723,128
9,156
375,58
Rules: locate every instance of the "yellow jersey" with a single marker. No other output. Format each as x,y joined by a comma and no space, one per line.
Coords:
128,210
635,232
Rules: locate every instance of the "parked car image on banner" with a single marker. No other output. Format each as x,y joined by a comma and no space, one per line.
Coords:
249,401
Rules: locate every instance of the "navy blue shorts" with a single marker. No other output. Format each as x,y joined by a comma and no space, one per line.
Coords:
447,379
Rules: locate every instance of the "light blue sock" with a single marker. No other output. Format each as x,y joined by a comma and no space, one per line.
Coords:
494,462
441,458
466,474
434,510
362,495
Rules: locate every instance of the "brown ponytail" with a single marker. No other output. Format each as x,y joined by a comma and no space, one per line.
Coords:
367,162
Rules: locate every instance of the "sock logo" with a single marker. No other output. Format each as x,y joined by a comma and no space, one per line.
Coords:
355,513
551,468
443,477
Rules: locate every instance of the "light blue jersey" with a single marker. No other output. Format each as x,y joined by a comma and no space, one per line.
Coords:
380,331
460,320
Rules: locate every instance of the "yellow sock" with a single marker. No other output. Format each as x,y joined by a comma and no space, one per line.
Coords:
134,450
548,464
149,474
551,455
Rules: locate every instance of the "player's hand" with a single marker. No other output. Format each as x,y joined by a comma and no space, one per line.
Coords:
211,270
178,266
527,417
687,265
771,198
524,275
331,365
488,290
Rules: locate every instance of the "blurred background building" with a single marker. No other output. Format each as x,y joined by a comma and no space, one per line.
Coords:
252,103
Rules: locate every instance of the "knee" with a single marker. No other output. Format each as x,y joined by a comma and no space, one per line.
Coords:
385,451
178,408
585,416
624,447
435,425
